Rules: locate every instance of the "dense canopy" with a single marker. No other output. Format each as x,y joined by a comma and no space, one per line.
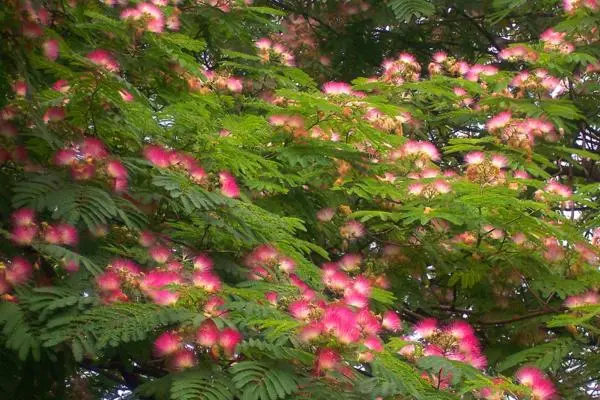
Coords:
286,199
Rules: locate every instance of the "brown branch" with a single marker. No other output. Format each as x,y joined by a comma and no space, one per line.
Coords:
519,318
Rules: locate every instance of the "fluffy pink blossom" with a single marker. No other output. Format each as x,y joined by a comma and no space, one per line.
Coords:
19,271
350,261
163,297
300,309
311,331
157,155
352,229
64,157
229,186
54,114
325,214
327,359
202,263
207,334
207,281
103,59
23,235
235,85
160,254
50,48
426,328
229,338
182,359
499,121
475,157
23,217
391,321
167,343
93,148
337,88
108,281
116,169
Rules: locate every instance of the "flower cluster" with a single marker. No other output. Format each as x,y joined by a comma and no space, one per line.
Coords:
442,63
16,272
164,158
333,88
405,68
267,263
213,80
293,124
89,158
538,81
387,123
104,59
26,230
521,132
269,51
541,387
485,170
181,350
518,53
456,341
571,6
588,298
555,41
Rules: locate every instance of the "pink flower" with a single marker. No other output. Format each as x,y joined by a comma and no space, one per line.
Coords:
202,263
229,187
439,56
300,309
20,88
373,343
426,328
461,330
71,266
167,343
93,148
23,235
558,189
327,359
214,306
160,254
50,48
23,217
103,59
391,321
19,271
362,286
475,157
146,238
499,121
207,281
163,297
337,88
108,281
126,96
234,84
325,214
157,155
153,15
54,114
207,334
64,157
263,44
173,23
350,262
271,297
68,234
181,359
229,339
116,169
415,189
541,387
354,299
311,331
499,161
31,30
352,229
